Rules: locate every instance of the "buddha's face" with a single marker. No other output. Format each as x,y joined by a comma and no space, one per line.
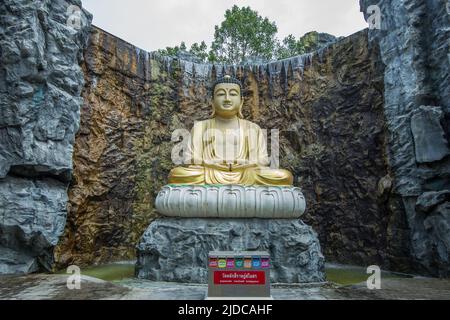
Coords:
227,100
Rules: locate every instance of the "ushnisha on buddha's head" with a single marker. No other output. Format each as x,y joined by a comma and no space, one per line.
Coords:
227,98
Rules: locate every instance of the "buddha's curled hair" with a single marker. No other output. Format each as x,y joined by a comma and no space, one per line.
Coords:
227,79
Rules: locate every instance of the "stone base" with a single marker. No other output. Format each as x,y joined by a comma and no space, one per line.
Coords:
176,249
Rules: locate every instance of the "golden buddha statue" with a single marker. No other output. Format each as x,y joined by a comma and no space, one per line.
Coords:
228,149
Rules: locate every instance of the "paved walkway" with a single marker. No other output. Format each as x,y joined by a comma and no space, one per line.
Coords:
45,286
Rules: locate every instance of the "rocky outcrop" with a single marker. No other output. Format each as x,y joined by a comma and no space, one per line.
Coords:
176,249
327,106
430,144
41,47
413,40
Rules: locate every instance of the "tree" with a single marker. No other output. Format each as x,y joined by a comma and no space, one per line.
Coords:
308,42
243,34
200,51
172,51
197,52
288,48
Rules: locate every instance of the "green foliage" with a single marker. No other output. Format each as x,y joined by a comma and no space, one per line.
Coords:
288,48
243,34
200,51
173,51
309,42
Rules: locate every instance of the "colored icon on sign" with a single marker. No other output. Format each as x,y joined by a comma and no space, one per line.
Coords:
239,262
256,262
213,262
248,263
222,263
230,263
265,263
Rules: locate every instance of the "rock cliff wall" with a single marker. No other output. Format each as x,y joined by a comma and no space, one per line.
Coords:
41,47
414,44
327,105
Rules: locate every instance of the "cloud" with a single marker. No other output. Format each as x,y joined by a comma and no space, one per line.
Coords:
155,24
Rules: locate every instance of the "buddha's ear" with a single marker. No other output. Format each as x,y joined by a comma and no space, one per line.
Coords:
213,111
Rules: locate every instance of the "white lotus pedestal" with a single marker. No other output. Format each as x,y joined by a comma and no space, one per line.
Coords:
200,219
231,201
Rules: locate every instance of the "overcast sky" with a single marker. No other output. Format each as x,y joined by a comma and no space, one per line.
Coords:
155,24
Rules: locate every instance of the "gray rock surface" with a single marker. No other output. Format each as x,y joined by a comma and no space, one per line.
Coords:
414,46
429,137
32,217
176,249
429,200
41,46
432,211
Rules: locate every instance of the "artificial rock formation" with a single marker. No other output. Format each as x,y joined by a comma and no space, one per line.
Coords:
413,41
327,106
176,249
41,47
364,127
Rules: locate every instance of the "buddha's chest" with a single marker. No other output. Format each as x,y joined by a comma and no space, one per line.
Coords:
227,137
228,144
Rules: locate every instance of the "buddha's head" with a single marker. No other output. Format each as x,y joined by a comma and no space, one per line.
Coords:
227,98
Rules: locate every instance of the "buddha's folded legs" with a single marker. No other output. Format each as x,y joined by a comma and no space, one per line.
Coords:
274,177
250,176
187,175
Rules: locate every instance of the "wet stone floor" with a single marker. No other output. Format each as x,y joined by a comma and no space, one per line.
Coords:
116,281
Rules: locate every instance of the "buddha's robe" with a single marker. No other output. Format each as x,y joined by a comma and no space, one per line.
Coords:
250,166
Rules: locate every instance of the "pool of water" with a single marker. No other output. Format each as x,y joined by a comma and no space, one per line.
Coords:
348,275
109,272
339,274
